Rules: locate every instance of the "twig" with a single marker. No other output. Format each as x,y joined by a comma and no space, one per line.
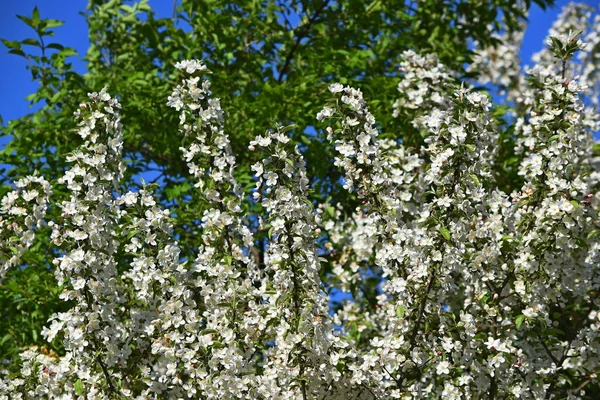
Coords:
304,30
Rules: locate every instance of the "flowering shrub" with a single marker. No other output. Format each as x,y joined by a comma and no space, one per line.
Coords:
480,293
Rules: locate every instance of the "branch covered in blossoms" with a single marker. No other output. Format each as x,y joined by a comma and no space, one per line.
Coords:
22,213
453,286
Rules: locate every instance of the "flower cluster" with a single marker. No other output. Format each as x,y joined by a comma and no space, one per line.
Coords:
86,234
304,361
423,86
355,142
215,344
22,212
572,20
556,215
505,255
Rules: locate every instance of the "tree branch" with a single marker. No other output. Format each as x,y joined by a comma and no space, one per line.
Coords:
304,30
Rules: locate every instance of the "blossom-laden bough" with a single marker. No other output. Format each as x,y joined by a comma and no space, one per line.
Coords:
482,293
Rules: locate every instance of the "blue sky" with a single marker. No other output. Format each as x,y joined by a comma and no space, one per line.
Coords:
15,80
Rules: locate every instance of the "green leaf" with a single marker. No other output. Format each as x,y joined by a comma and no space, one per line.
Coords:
18,52
53,23
178,190
11,44
519,321
25,19
554,332
56,46
128,9
512,160
400,311
35,16
485,298
79,387
374,6
5,338
132,233
445,233
330,211
31,42
475,180
67,52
